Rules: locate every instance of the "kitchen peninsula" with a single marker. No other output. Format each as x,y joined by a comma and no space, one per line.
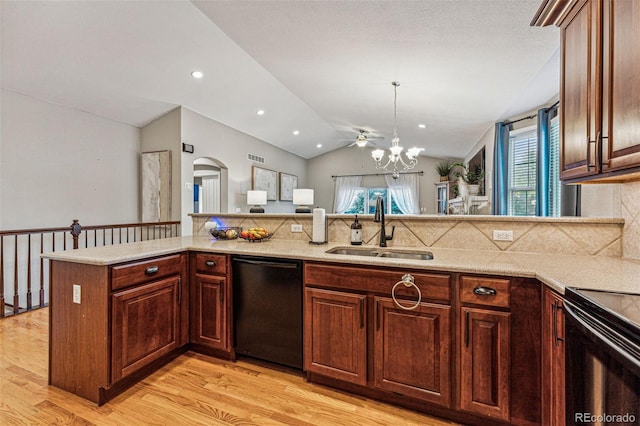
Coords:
120,312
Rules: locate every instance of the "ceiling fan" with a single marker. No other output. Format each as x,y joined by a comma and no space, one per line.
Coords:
362,139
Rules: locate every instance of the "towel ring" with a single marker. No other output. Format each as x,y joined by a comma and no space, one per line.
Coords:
408,281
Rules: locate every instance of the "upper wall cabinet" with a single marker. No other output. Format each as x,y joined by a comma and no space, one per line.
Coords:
599,87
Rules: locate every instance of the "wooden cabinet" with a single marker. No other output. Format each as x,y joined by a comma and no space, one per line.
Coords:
354,331
146,313
335,330
210,302
485,346
553,360
412,350
499,335
580,99
621,85
599,91
485,362
112,325
146,320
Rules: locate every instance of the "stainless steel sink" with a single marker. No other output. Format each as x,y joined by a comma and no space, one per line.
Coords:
414,255
351,251
374,252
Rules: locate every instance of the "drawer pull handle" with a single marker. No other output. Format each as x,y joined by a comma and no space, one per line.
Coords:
484,291
408,281
151,270
210,263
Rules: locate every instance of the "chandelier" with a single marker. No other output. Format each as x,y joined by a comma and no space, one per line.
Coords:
395,159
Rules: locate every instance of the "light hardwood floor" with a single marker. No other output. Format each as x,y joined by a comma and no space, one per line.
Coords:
192,390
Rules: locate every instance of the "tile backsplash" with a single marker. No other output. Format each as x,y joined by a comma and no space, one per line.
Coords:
630,212
594,237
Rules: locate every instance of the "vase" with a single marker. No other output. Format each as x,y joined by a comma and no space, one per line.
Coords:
474,189
463,188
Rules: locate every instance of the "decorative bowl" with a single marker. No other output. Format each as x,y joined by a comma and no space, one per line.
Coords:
226,232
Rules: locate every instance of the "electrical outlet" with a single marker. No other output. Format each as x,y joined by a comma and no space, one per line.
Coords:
296,227
76,293
502,235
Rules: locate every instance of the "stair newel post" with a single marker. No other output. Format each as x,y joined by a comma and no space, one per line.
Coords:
76,229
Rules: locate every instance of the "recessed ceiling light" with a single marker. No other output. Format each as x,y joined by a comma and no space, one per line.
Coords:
296,132
197,74
319,145
422,126
260,112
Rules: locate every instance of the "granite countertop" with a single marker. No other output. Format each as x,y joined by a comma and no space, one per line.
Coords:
556,271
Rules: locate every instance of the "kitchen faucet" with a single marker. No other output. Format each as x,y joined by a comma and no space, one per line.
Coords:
379,217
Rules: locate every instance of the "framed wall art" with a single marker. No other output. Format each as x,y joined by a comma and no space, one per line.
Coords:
265,180
287,184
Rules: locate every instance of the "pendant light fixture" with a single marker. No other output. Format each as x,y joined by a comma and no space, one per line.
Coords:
395,157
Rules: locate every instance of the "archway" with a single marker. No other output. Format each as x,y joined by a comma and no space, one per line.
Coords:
210,177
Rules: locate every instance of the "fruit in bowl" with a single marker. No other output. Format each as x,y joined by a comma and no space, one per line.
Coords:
225,233
255,234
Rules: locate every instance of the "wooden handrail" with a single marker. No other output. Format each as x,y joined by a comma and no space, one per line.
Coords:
22,266
90,227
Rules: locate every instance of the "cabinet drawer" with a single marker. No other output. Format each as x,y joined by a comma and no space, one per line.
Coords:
211,263
432,286
140,272
485,291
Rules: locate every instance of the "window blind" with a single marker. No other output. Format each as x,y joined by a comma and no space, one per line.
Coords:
522,173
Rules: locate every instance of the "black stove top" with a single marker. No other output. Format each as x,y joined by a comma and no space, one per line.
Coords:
620,310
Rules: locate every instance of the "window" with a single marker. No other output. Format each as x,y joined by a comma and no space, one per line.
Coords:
522,172
527,169
368,197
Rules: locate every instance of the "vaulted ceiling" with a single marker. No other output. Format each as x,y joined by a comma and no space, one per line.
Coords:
323,68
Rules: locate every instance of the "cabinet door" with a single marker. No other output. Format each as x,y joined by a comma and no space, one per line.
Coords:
580,98
553,384
621,84
335,335
209,316
145,325
412,350
485,361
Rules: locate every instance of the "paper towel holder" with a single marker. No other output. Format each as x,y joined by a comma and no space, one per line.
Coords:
326,228
326,236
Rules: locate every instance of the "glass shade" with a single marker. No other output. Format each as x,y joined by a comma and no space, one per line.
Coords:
395,150
377,154
413,152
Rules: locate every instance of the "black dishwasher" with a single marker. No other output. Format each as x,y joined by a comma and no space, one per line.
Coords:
267,309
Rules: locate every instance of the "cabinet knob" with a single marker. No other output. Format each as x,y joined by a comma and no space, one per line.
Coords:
210,263
484,291
151,270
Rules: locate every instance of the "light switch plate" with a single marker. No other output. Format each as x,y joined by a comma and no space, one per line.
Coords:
502,235
76,293
296,227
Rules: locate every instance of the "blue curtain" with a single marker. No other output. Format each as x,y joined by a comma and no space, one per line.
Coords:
499,198
542,171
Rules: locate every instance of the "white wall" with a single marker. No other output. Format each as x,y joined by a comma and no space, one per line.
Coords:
58,164
230,147
354,160
163,134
